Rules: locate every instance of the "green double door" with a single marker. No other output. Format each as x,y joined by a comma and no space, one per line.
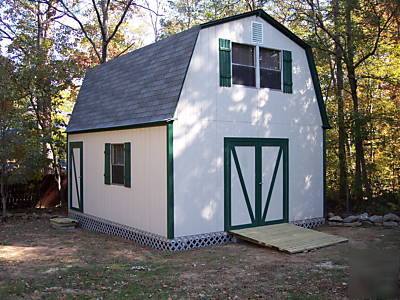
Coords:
255,182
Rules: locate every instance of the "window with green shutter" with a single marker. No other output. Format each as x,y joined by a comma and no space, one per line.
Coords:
287,72
237,65
117,164
225,74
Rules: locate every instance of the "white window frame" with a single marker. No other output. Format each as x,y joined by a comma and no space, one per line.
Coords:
280,67
112,164
257,66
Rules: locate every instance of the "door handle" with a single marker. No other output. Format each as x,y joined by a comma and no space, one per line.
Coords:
261,183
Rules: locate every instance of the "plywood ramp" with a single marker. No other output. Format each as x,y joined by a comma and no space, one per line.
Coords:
287,237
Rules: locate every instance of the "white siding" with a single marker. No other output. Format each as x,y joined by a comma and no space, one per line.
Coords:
207,113
144,205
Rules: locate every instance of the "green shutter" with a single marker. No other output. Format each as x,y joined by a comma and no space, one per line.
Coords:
287,72
225,74
127,169
107,161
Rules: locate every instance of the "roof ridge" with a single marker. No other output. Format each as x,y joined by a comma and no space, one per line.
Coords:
196,27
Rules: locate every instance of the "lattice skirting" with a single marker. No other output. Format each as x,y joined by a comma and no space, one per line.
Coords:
309,223
149,239
159,242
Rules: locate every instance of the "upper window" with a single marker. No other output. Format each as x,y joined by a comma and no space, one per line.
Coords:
243,65
270,69
117,163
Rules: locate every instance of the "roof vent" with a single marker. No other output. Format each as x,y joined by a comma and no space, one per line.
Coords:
257,32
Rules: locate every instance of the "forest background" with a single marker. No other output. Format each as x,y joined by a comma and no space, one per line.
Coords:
47,45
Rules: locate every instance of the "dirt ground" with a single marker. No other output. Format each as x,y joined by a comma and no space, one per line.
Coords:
38,262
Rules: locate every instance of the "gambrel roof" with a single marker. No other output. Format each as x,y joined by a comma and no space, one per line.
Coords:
144,86
140,87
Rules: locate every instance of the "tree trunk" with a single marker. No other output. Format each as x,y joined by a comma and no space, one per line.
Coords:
361,176
339,91
104,43
3,194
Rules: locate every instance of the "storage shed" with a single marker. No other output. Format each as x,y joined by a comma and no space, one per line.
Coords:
216,128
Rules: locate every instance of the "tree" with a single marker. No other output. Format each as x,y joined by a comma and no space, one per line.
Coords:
21,157
38,45
102,23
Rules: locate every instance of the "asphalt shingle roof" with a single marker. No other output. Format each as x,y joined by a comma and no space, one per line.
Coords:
140,87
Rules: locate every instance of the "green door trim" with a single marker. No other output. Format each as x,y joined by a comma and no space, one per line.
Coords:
258,143
71,162
170,181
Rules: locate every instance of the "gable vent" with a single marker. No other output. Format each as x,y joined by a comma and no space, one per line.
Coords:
256,32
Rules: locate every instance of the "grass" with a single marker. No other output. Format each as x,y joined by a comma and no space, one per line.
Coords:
40,262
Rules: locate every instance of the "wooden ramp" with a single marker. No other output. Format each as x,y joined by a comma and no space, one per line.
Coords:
287,237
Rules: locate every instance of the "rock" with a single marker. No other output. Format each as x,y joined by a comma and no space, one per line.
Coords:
390,224
335,223
375,219
350,219
330,215
51,270
19,215
335,219
35,216
46,215
352,224
367,223
391,217
363,217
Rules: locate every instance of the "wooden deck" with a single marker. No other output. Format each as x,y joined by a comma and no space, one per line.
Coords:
287,237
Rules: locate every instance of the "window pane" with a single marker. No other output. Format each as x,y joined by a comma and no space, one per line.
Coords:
118,174
270,79
269,59
244,75
242,54
117,154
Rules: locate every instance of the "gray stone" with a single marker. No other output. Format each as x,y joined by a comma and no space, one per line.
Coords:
390,224
330,215
375,219
46,215
352,224
335,219
391,217
335,223
19,215
367,223
363,216
351,219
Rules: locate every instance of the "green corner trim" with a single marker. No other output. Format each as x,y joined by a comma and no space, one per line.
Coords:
317,88
170,182
325,204
71,161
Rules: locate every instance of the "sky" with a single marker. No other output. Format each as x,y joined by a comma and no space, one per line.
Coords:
140,25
